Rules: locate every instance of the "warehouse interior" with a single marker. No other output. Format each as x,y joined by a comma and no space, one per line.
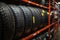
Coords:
29,19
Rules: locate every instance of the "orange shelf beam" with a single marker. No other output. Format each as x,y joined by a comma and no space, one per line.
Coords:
54,1
33,3
37,32
53,7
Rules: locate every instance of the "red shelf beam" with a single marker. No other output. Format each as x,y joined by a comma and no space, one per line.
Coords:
39,5
53,7
33,3
55,1
37,32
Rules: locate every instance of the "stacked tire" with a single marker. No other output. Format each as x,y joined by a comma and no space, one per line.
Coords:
16,21
8,24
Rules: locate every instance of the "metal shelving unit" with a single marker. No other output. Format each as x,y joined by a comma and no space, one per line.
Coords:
55,24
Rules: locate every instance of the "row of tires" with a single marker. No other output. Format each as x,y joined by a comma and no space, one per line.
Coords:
18,20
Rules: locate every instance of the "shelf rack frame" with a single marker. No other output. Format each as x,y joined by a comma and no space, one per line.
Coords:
55,24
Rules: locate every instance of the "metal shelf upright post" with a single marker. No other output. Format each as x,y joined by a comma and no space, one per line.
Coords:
49,19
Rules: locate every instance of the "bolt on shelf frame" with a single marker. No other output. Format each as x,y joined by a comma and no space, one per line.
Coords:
55,24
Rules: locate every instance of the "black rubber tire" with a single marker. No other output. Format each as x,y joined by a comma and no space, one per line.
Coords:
8,22
40,16
40,10
28,18
19,21
35,14
43,18
46,17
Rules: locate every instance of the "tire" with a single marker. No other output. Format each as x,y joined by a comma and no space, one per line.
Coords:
19,21
28,19
40,16
46,17
8,22
36,18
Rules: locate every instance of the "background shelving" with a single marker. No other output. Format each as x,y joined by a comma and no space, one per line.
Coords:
55,24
